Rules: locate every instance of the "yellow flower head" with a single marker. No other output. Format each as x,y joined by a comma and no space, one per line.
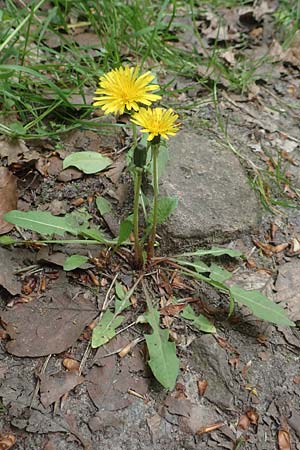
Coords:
156,122
124,88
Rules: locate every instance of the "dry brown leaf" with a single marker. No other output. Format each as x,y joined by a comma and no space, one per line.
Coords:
47,325
229,57
253,416
87,39
71,364
53,387
7,440
270,249
284,441
13,150
210,428
125,350
202,386
8,197
243,422
172,310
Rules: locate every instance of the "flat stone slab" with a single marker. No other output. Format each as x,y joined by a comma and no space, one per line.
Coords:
216,202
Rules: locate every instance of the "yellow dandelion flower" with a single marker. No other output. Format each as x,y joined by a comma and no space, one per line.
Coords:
156,122
124,88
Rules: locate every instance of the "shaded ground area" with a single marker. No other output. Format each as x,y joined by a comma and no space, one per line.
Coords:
238,388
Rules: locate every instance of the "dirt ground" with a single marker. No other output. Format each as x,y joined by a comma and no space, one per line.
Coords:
238,388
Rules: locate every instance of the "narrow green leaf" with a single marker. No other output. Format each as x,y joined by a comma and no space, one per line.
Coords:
163,360
125,230
214,251
119,290
105,330
6,240
198,265
122,302
103,205
88,162
200,322
218,273
165,207
74,261
96,234
42,222
261,306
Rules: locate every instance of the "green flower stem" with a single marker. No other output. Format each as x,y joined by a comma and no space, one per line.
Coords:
155,150
138,254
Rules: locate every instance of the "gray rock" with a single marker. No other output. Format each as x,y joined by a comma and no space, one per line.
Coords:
211,361
216,202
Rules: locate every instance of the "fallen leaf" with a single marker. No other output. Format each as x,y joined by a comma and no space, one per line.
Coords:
8,197
108,384
12,149
53,387
47,325
270,249
127,349
7,440
202,386
284,440
180,407
243,422
87,39
253,416
229,57
210,428
71,364
191,418
45,256
172,310
116,169
10,262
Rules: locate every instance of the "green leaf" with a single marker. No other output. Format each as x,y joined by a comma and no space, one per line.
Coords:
42,222
215,251
261,306
96,234
74,261
217,273
200,322
165,207
163,360
122,302
105,329
6,240
88,162
198,265
103,205
119,290
125,230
